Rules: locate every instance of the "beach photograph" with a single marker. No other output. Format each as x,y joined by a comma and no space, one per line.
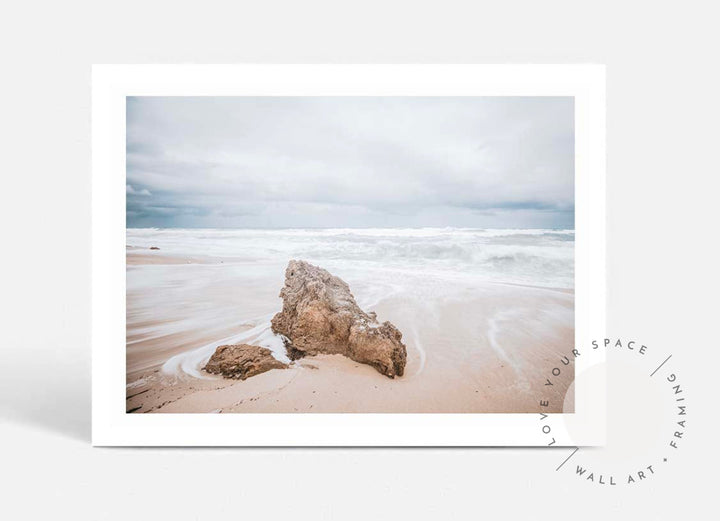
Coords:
349,254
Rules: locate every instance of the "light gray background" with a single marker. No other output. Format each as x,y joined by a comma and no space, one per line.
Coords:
662,95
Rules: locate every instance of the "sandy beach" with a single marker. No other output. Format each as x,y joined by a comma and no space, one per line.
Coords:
473,346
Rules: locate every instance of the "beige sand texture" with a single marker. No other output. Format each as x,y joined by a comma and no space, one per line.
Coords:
484,349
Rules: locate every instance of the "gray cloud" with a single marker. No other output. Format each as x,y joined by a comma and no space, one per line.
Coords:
130,190
336,162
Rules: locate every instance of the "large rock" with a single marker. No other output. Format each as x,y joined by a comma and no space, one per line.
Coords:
320,315
242,361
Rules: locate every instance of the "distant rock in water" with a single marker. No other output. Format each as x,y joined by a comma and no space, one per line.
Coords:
154,248
320,315
242,361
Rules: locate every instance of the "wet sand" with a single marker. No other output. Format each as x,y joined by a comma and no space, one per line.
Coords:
481,349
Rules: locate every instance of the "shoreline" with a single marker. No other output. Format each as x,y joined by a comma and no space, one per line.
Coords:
483,350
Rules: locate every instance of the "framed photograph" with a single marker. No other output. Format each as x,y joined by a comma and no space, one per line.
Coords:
347,255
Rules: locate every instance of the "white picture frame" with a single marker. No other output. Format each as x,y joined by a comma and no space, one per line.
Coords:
111,84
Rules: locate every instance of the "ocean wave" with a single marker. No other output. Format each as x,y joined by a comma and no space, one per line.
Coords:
531,256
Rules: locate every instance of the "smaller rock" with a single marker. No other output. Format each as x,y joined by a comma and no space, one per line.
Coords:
241,361
154,248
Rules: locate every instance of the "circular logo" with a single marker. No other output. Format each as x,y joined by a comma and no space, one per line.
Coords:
645,407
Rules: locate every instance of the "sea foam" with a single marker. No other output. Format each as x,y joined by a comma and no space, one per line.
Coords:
524,256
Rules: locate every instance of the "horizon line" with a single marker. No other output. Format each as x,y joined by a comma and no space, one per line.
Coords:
340,228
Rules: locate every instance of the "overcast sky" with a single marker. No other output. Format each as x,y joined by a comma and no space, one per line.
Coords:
272,162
